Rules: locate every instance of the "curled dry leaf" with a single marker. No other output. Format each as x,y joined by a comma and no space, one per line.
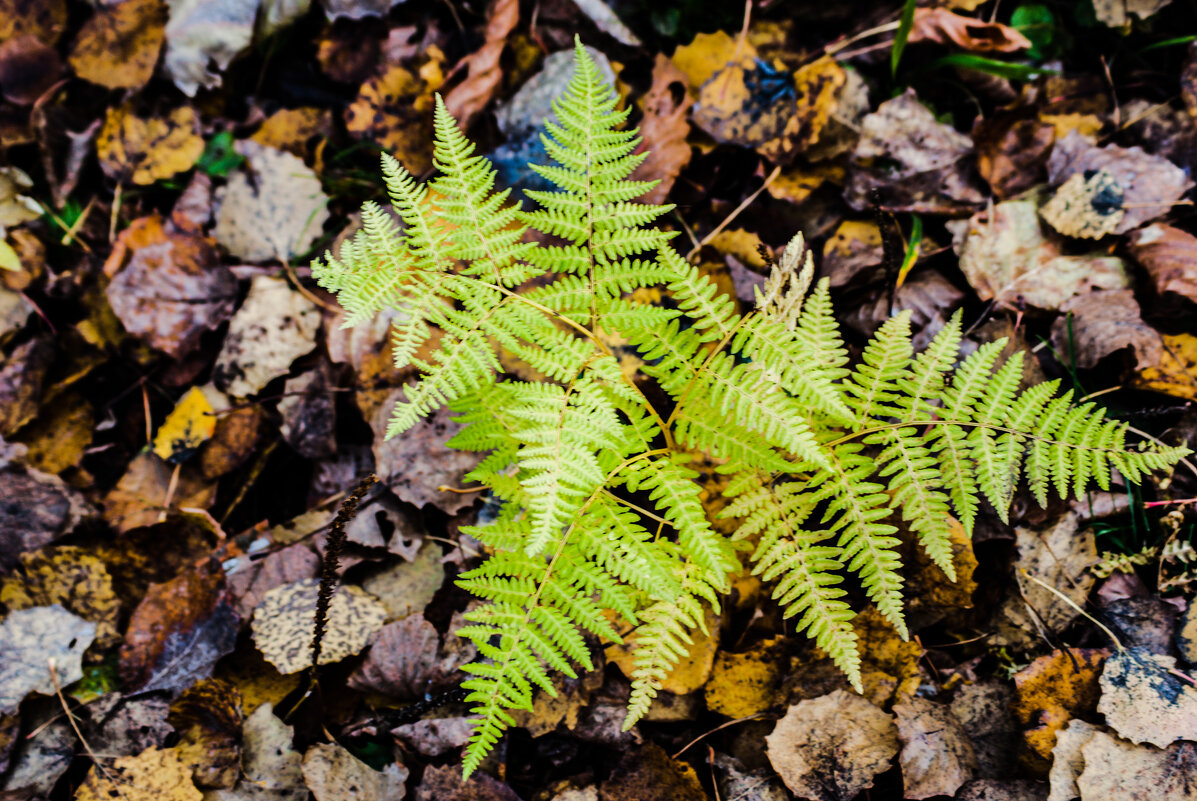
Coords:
156,774
943,26
33,639
483,71
1150,185
235,438
147,484
179,631
928,164
830,748
284,622
1054,689
276,214
201,34
118,45
664,129
1144,701
207,717
147,149
1096,324
274,327
1115,769
1170,257
937,756
334,774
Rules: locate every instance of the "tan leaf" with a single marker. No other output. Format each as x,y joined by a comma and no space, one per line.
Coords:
156,774
334,774
269,761
1067,760
1120,13
202,34
484,73
664,129
832,747
140,497
144,150
207,717
1144,701
1115,770
1096,324
119,44
284,622
1170,257
944,26
937,757
32,639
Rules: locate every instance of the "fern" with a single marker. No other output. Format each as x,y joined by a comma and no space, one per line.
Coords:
824,458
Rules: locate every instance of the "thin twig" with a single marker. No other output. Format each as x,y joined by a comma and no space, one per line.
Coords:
735,213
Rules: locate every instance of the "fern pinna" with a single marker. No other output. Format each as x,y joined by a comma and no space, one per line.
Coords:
824,457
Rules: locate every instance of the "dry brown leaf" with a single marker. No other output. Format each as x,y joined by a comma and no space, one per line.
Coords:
1094,325
250,580
417,463
928,164
394,110
334,774
664,129
179,631
32,639
432,738
274,327
937,756
207,717
1170,257
1012,152
1144,701
1176,374
269,761
60,435
444,783
830,748
119,44
573,695
484,73
1054,689
405,661
22,375
284,622
650,774
235,438
28,68
138,498
1115,770
943,26
153,775
71,577
147,149
932,595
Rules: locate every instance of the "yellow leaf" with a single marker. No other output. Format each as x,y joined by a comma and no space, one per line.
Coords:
119,45
186,428
153,775
146,150
1177,371
9,260
744,684
708,54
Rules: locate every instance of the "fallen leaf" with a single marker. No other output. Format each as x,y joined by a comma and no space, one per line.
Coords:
1096,324
432,738
1115,769
944,26
830,748
1176,373
35,509
1053,690
1170,257
1186,635
153,775
1059,557
187,427
28,68
1067,760
1007,257
207,717
932,595
70,577
916,163
394,110
235,438
937,756
334,774
650,774
269,761
179,630
1012,152
256,679
45,19
118,46
745,785
663,130
250,580
1150,184
127,725
1087,206
1148,622
357,9
33,639
573,696
201,34
984,711
291,129
444,783
1001,790
274,327
693,668
22,379
275,216
744,684
842,130
414,465
147,149
139,498
157,553
15,206
309,414
408,587
60,435
350,53
406,661
284,622
1118,13
1144,701
483,70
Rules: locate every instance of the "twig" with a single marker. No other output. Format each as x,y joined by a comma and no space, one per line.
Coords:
53,666
720,727
735,213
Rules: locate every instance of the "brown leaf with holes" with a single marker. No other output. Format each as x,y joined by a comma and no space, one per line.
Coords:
944,26
119,45
208,719
664,129
484,73
147,149
831,748
1170,257
937,756
179,630
1051,691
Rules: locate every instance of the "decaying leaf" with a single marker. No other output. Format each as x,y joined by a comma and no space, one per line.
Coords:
944,26
35,509
119,44
744,684
156,774
179,630
408,587
1176,373
275,215
406,661
1120,13
188,426
274,326
284,622
444,783
1096,324
1170,257
937,756
127,725
147,149
1115,769
416,464
1007,257
830,748
207,717
235,438
432,738
28,69
334,774
984,711
201,34
1054,689
1087,206
70,577
141,496
394,109
650,774
916,163
270,764
309,414
1144,701
664,129
1067,760
34,639
483,71
59,437
1012,152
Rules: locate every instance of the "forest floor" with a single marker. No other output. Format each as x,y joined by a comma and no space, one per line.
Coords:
181,412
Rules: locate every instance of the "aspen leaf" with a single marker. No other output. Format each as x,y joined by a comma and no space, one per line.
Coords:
29,640
187,427
156,774
1116,769
1053,690
394,110
71,577
937,757
119,44
1176,373
1144,701
284,622
334,774
148,149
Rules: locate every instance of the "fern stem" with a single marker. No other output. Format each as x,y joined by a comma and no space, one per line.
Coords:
970,424
693,382
637,508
